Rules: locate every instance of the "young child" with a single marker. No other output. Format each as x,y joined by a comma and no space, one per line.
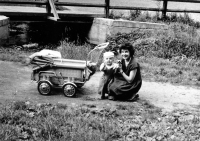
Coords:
107,67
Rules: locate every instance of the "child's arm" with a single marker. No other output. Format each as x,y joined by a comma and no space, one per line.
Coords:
102,67
116,67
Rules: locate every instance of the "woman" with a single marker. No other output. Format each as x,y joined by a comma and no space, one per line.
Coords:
127,79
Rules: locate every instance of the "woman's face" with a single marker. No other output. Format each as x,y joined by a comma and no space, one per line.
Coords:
125,54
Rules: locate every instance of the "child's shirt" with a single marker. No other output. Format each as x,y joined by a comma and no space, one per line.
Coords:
108,73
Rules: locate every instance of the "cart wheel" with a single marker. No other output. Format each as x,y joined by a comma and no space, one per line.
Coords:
69,90
44,88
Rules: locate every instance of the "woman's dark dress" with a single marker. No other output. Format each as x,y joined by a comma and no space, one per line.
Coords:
120,87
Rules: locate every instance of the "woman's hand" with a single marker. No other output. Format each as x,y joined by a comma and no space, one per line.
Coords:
129,78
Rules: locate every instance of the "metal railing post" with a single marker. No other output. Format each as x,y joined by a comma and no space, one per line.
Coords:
48,8
107,7
164,12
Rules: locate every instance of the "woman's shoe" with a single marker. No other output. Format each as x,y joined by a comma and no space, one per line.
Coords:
134,97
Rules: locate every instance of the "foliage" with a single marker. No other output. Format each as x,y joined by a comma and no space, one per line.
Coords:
142,121
181,71
167,55
176,40
114,15
139,15
19,53
183,19
73,51
7,54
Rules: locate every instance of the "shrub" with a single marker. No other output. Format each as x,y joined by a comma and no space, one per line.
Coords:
177,40
72,51
145,16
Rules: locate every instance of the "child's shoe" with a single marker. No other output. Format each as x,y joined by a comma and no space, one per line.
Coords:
111,98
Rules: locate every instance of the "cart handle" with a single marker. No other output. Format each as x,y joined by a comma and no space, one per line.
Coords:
103,45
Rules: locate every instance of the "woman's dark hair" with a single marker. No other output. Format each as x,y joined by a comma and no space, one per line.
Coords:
127,46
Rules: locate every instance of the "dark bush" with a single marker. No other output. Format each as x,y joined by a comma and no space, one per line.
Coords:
177,40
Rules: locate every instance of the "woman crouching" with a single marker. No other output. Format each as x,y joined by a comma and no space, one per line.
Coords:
127,79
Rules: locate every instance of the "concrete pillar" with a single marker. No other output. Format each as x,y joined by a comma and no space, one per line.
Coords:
99,30
103,27
4,29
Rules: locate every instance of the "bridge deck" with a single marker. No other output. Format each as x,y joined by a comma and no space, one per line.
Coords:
18,13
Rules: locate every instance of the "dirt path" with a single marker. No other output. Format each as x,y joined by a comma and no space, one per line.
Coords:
15,84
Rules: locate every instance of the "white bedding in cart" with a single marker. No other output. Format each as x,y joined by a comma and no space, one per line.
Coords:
47,53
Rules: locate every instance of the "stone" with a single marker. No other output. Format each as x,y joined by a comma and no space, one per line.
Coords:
4,29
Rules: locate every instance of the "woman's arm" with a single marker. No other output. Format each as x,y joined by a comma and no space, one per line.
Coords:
131,76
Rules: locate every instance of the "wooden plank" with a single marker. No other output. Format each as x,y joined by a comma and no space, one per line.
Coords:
53,8
153,9
187,1
52,18
107,2
48,9
183,11
135,8
30,14
79,4
62,15
24,2
164,12
56,3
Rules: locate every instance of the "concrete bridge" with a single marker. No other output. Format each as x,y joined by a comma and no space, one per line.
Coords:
42,10
39,14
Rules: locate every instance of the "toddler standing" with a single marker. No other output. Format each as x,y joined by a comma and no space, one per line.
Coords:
107,67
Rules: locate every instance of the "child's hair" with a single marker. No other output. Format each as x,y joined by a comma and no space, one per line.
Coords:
108,54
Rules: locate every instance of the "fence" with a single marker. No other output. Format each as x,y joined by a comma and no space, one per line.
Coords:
50,5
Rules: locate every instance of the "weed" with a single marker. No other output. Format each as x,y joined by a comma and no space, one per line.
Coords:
72,51
62,122
145,16
165,55
19,105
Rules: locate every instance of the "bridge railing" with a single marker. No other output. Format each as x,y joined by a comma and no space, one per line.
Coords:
164,9
50,5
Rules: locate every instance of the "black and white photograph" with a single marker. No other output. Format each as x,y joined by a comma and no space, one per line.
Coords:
99,70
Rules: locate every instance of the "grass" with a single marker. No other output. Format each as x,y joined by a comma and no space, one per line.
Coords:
162,70
72,51
8,54
23,120
157,62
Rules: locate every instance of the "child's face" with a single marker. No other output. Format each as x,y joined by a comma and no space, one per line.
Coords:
108,60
